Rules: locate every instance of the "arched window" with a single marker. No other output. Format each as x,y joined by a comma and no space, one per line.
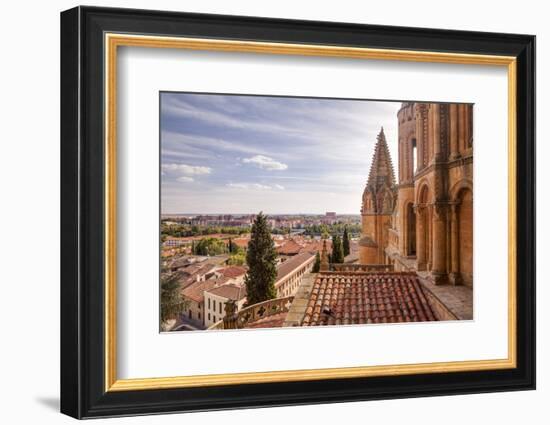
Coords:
414,156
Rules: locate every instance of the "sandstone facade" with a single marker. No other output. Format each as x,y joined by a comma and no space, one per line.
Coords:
424,222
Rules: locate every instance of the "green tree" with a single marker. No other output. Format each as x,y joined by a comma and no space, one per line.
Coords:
337,250
171,301
260,257
237,259
345,242
210,246
317,264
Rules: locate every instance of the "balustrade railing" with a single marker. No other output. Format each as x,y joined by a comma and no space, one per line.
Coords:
258,311
343,267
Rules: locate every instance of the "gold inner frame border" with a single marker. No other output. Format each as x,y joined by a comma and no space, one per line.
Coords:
113,40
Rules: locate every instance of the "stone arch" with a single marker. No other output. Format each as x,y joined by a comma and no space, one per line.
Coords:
410,228
368,201
423,193
386,200
423,227
458,187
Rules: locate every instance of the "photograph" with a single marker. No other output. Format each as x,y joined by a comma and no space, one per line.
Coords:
276,211
279,211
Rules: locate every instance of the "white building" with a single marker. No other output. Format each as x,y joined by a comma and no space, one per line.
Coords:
291,272
215,299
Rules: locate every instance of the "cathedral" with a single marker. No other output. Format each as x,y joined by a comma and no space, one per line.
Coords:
423,222
415,251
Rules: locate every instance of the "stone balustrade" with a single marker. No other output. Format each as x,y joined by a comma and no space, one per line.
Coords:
257,311
343,267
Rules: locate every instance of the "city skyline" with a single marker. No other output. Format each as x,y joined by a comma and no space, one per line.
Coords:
236,154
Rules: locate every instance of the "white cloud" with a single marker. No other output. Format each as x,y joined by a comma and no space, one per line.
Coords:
254,186
188,170
185,179
266,163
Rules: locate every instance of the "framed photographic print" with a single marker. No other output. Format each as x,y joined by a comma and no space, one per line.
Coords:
261,212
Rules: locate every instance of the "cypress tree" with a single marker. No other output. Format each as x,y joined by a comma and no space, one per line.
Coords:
317,264
260,257
345,242
337,250
171,301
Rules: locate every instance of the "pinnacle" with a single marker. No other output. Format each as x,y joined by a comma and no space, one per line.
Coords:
381,171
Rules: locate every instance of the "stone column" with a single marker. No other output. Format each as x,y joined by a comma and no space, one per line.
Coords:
462,127
420,238
230,319
439,243
428,226
419,142
454,277
453,115
436,132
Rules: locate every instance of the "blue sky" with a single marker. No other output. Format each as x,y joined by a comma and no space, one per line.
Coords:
245,154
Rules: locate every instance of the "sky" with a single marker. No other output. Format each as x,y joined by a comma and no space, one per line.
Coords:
281,155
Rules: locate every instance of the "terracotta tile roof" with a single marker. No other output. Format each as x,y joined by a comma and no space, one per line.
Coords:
195,291
288,266
344,298
230,291
233,271
195,269
314,246
241,242
290,247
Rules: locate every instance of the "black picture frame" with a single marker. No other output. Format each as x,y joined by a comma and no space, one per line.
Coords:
83,392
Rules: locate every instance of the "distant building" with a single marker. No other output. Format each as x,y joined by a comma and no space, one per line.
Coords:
172,241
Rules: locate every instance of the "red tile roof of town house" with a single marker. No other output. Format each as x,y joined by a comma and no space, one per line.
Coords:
197,269
233,271
345,298
229,291
291,247
241,242
288,266
195,291
316,246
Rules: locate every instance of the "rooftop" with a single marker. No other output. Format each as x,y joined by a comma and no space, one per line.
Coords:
195,291
229,291
288,266
345,298
290,247
233,271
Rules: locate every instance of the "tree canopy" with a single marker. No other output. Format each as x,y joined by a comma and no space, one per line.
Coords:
337,250
171,301
261,259
345,242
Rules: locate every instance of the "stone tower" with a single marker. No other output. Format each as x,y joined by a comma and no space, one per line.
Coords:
377,206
